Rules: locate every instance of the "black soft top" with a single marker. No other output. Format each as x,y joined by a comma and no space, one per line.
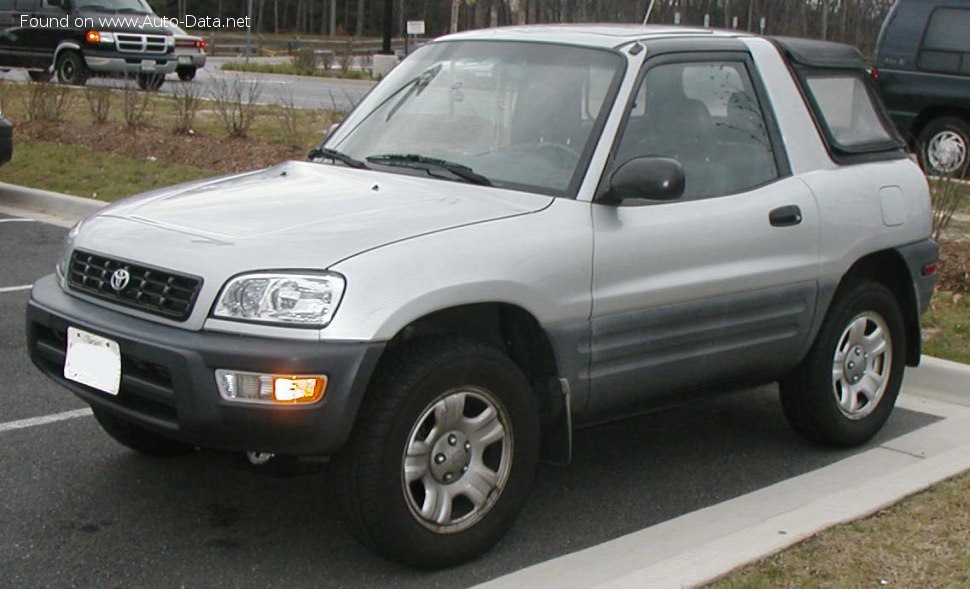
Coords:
819,54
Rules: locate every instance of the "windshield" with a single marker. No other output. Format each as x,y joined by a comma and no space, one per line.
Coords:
521,115
133,6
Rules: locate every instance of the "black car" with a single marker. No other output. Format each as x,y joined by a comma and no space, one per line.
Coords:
6,140
78,39
923,69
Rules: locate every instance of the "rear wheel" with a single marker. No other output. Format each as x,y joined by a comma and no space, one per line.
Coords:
846,387
186,74
139,439
150,82
944,147
71,68
443,454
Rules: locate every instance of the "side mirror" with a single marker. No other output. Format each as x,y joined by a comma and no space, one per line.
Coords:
647,178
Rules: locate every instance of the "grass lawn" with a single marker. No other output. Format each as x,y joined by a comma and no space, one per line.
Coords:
81,172
923,541
947,328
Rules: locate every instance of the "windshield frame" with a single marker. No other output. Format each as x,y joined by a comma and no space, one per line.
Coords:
359,116
142,5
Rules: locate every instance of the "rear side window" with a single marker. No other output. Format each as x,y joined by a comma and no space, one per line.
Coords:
946,43
848,113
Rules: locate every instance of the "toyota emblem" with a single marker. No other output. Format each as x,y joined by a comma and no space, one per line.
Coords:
119,279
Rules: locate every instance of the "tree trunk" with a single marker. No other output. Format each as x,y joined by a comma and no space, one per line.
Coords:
455,4
359,29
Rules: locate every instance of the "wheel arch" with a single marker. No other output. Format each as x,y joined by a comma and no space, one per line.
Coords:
518,334
931,113
889,268
66,46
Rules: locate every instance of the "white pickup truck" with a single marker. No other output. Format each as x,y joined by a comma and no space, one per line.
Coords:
520,231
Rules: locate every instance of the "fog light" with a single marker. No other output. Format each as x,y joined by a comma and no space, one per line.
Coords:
256,387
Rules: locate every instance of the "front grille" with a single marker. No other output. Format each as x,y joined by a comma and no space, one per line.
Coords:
135,43
146,387
152,290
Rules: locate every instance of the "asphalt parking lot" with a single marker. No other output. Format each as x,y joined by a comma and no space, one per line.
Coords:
76,509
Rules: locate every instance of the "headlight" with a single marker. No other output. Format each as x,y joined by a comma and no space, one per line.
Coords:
64,261
299,299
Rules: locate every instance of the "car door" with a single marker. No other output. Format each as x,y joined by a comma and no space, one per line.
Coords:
720,284
16,48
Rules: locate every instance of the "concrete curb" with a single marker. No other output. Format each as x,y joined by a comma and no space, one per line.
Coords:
48,203
704,545
939,379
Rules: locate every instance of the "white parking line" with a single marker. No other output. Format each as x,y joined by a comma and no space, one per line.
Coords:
15,288
44,420
17,220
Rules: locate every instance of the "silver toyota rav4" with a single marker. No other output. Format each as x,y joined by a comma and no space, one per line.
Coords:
518,232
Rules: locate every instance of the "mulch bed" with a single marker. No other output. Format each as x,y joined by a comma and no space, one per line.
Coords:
220,154
954,272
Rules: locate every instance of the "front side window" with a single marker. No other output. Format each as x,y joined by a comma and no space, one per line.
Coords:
946,43
707,116
521,115
847,111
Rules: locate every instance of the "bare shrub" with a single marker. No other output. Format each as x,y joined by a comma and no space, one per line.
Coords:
343,107
46,102
291,119
136,106
327,59
346,58
947,195
5,88
236,103
305,60
188,100
99,99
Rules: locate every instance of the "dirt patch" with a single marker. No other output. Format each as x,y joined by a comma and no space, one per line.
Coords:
219,154
954,272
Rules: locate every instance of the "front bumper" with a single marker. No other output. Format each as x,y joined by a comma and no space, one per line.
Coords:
168,378
196,60
105,62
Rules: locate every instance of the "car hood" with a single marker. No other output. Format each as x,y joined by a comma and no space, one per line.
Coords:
294,215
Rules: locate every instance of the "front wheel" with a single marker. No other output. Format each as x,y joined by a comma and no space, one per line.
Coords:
71,68
845,389
443,454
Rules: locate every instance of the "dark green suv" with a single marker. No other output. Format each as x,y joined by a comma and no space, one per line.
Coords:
79,39
923,69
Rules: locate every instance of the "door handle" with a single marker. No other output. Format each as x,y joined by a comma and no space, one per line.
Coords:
785,216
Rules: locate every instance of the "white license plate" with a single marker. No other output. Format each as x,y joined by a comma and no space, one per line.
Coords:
185,60
93,360
148,66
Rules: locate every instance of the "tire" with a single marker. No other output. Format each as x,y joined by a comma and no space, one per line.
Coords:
139,439
71,68
430,380
41,76
831,398
944,147
186,74
149,82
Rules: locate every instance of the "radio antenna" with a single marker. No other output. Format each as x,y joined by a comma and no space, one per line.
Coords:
649,10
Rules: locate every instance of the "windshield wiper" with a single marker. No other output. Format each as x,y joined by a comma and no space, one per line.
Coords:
337,156
411,160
